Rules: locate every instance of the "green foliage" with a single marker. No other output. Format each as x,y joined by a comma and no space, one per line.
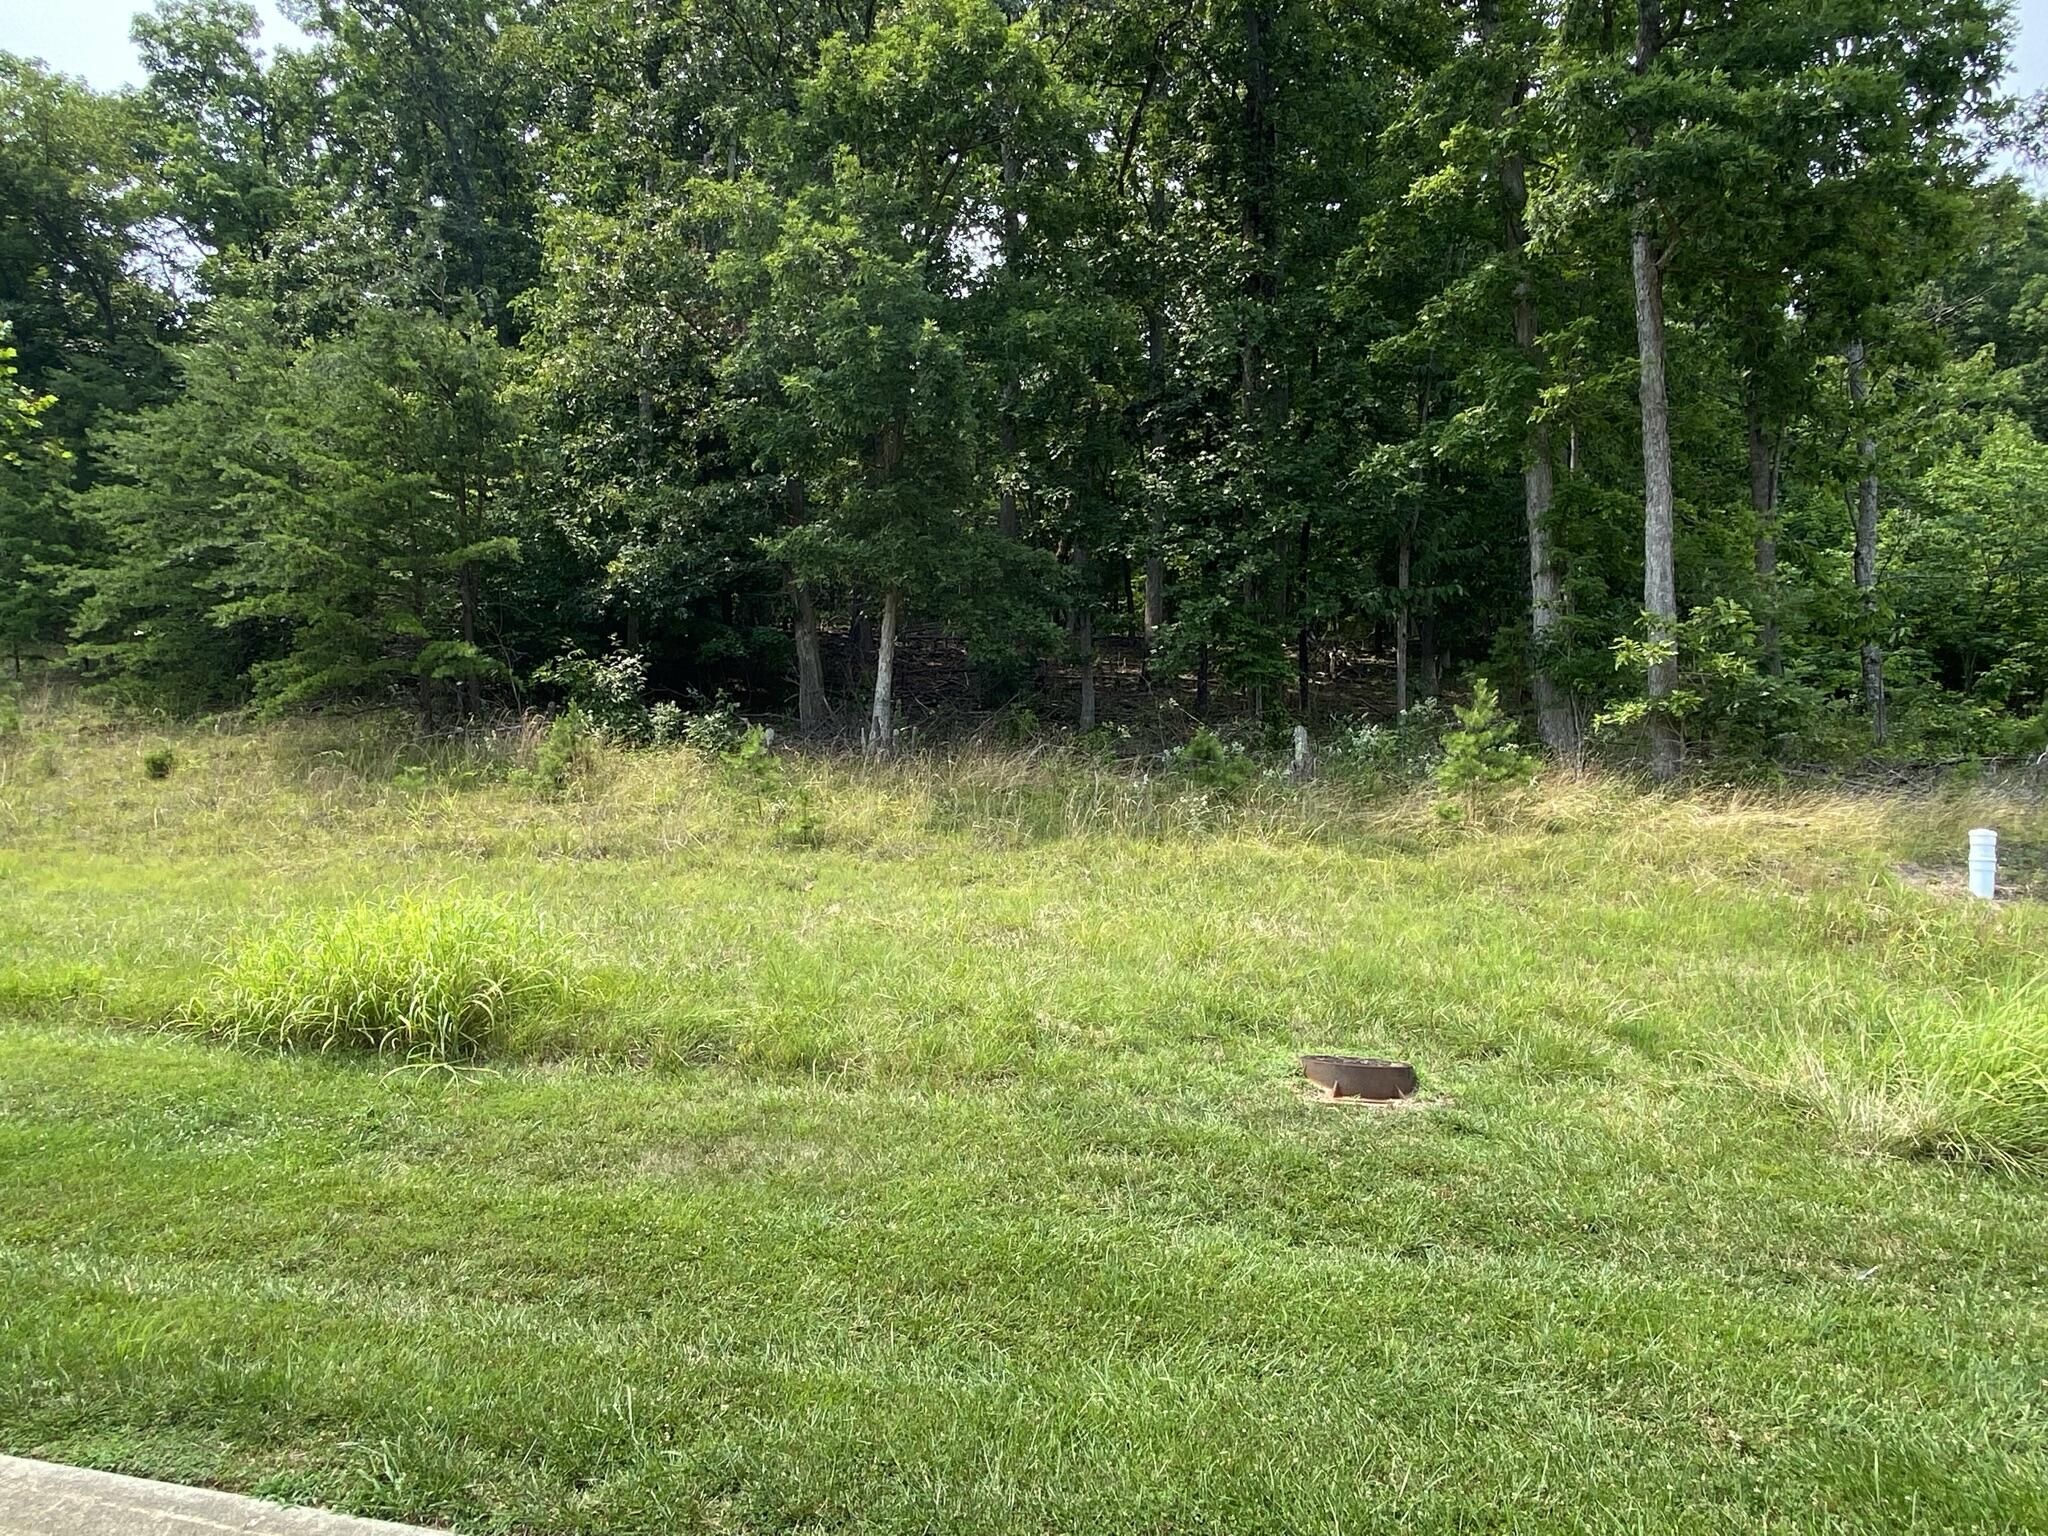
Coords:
1017,727
430,979
1205,761
788,805
1726,701
1480,755
1392,754
718,731
158,762
608,692
394,365
565,752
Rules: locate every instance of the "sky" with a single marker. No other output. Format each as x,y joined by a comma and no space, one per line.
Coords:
90,37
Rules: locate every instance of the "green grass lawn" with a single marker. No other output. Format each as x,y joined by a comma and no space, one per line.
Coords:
921,1151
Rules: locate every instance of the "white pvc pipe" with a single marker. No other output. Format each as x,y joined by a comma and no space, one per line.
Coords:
1983,862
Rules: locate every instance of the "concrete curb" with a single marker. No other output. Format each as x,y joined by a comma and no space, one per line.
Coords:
39,1498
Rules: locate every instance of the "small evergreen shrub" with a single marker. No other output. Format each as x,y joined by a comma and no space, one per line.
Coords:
1480,756
158,762
1017,728
1102,743
1205,762
565,753
428,979
753,765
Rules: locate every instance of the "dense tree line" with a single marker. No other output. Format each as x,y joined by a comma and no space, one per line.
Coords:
1684,367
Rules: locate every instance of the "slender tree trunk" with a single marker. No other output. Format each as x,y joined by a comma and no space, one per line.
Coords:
469,585
1557,716
857,634
1402,559
1081,635
812,712
882,724
1660,577
1866,545
1763,500
1660,580
1155,523
1084,642
1202,681
425,681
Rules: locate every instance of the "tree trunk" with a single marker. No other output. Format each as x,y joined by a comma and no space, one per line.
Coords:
1866,546
1557,716
469,585
1660,581
882,724
1660,578
1763,500
1008,523
857,635
1401,562
1081,635
1155,522
812,712
1084,642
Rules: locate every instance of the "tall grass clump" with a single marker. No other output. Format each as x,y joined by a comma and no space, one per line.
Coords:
1941,1079
1989,1069
425,978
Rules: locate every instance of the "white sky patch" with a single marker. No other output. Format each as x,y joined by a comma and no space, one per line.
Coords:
89,38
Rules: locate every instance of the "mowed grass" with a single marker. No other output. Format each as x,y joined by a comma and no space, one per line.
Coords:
934,1161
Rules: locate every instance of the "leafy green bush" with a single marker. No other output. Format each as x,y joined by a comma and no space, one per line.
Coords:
158,762
1480,756
1389,753
753,765
1207,763
716,731
429,979
665,722
610,691
1727,701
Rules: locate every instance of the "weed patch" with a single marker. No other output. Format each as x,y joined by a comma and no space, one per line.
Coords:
427,979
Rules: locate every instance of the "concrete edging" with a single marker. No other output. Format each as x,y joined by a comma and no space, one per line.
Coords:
40,1498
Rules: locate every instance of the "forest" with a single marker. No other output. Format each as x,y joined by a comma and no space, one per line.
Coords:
1681,372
